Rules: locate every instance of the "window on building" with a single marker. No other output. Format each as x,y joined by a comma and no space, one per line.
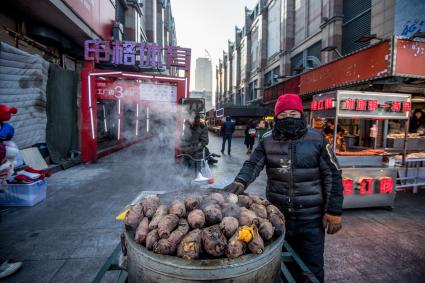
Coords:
271,77
243,59
254,48
314,54
234,68
297,64
314,16
120,12
307,59
273,28
252,89
357,22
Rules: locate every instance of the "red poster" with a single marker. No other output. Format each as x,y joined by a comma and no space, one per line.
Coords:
410,58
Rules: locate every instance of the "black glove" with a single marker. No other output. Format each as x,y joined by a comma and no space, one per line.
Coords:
235,187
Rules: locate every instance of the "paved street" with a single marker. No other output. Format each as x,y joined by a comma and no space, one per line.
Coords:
68,236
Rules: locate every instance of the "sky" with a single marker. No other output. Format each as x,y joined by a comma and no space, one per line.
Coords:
208,25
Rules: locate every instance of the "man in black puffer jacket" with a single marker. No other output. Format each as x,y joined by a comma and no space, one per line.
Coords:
304,181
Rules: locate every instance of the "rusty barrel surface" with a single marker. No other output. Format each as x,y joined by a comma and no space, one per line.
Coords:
148,267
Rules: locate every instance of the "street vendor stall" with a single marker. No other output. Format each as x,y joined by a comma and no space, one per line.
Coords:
358,137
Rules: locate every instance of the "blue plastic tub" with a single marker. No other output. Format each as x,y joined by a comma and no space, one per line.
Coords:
23,194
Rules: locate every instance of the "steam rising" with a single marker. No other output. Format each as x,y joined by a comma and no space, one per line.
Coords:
156,168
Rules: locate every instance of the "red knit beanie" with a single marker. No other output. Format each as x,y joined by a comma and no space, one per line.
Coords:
288,101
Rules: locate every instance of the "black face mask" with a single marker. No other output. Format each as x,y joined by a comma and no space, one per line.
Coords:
291,128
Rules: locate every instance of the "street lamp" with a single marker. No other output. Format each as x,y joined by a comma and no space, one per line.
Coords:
332,48
368,37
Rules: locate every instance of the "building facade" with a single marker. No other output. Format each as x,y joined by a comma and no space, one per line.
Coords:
283,39
42,56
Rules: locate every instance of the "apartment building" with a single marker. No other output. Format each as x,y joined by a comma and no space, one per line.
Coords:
283,39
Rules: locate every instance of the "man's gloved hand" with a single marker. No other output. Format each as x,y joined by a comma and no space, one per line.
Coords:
332,222
235,187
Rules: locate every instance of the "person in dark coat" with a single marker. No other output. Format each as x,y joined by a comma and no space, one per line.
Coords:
250,134
227,130
303,180
417,122
195,138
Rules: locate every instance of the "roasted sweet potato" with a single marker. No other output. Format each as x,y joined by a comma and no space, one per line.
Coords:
229,226
217,197
167,224
271,209
191,245
235,247
206,202
134,216
169,245
232,198
151,239
159,214
142,231
278,224
196,219
230,210
150,205
256,246
244,201
213,214
213,241
266,229
259,200
259,209
178,208
192,202
248,217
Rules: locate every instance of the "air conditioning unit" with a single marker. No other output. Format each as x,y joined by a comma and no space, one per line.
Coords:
117,31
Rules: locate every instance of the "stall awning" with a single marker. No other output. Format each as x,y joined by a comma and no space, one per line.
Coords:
397,57
244,111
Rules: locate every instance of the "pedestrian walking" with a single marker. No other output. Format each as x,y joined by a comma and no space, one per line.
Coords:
227,130
303,180
250,134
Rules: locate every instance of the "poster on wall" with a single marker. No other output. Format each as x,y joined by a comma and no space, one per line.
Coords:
158,92
409,18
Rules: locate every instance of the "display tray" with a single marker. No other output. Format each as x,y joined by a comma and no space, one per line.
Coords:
412,143
360,161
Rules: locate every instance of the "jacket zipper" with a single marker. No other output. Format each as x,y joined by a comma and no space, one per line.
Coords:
290,178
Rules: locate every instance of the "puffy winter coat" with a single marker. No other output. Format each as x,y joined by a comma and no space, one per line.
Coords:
227,128
195,139
304,178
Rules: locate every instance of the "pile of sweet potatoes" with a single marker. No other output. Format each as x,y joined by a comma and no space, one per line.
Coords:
214,225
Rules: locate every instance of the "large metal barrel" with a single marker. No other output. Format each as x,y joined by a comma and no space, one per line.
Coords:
148,267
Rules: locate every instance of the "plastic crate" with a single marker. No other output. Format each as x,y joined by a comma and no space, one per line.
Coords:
23,194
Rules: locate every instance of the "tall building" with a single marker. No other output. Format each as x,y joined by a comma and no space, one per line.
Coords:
203,79
283,45
203,74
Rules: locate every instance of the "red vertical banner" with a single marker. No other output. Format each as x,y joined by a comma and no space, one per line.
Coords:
88,115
